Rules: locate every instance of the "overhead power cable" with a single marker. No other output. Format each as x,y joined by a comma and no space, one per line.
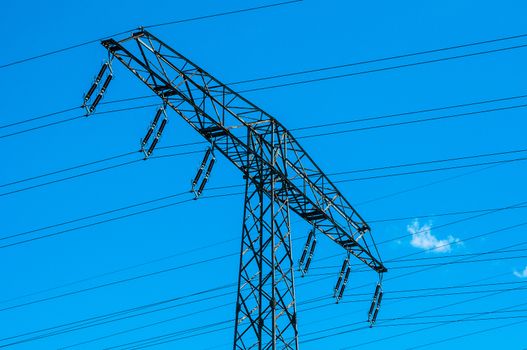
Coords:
77,117
306,136
470,334
125,314
176,336
160,272
164,258
426,328
386,167
116,282
410,315
220,14
108,220
90,172
366,327
245,91
190,314
523,203
303,128
320,69
67,169
450,213
215,188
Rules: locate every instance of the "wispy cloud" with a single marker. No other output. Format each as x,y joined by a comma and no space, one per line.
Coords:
423,238
522,274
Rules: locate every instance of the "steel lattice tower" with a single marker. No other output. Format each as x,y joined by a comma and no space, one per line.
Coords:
280,176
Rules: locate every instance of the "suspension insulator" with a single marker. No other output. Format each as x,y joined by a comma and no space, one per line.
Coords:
147,136
152,127
161,128
372,307
201,167
346,276
101,72
306,248
341,274
344,283
156,117
337,285
375,301
106,83
90,92
95,102
310,257
374,318
196,178
152,146
209,168
201,187
341,293
96,82
206,177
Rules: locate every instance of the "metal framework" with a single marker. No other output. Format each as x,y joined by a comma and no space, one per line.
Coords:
280,176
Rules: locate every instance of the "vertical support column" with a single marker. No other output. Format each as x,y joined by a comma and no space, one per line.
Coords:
266,305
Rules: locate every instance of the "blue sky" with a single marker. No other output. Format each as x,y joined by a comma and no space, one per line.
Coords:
296,37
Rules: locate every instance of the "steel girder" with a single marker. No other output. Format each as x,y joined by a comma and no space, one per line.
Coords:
279,172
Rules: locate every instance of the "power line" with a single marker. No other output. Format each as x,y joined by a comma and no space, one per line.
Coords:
77,117
426,328
95,223
169,337
67,169
114,166
38,117
71,177
376,60
427,162
175,195
415,266
413,331
415,121
428,184
126,268
107,318
125,280
222,14
208,260
351,64
460,220
121,281
437,258
432,170
309,136
251,90
458,287
419,313
470,334
68,48
451,213
312,127
214,188
383,320
377,70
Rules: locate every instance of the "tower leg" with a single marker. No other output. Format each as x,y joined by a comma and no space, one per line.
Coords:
266,304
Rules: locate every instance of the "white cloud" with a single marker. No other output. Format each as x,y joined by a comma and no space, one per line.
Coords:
522,274
423,238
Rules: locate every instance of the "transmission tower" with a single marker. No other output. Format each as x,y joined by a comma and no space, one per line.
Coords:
279,177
